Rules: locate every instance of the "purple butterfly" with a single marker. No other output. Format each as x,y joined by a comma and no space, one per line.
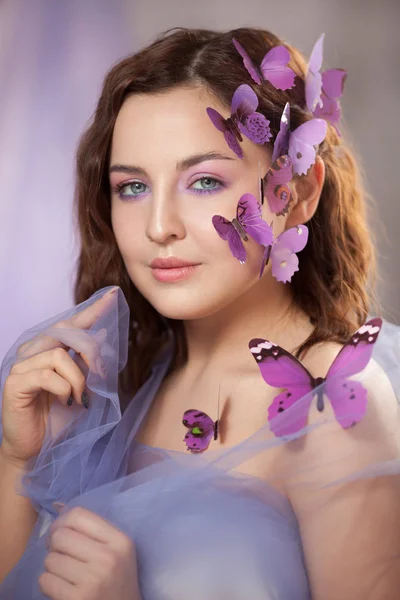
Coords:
333,81
244,119
277,191
248,221
324,89
202,430
299,144
283,253
348,398
273,67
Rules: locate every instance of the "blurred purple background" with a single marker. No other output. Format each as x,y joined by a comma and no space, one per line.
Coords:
53,57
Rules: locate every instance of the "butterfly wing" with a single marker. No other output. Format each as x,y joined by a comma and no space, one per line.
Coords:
347,396
313,78
281,144
250,122
248,63
222,125
249,216
302,141
227,232
201,430
332,88
283,253
277,190
281,369
244,101
217,119
275,70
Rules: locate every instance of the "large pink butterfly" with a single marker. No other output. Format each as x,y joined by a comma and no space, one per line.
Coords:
248,221
282,253
244,119
273,67
348,397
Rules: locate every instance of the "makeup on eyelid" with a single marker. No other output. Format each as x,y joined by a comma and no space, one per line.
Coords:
218,185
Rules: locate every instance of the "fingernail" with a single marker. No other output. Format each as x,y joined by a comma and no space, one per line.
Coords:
111,292
85,400
70,401
58,506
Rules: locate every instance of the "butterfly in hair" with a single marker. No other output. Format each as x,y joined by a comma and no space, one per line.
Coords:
273,67
323,90
300,143
289,410
244,119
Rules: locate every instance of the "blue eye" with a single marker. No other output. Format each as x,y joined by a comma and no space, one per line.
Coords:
208,185
138,188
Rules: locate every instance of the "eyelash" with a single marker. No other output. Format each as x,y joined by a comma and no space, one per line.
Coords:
126,197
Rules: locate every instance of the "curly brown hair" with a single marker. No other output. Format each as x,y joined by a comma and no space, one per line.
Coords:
333,284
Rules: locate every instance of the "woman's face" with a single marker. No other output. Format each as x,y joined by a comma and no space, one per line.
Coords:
171,170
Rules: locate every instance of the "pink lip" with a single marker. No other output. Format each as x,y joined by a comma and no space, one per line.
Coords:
169,270
170,263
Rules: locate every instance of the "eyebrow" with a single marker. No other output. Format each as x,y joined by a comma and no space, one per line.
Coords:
182,165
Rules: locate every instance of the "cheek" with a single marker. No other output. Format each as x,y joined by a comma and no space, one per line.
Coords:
128,231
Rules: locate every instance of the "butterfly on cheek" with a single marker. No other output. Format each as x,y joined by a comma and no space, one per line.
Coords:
248,222
288,413
202,429
244,119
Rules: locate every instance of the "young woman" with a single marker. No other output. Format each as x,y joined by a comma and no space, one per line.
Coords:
208,418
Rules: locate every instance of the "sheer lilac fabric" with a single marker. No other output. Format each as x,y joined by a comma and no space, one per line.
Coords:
204,526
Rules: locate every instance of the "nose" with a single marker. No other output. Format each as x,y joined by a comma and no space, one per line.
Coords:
164,220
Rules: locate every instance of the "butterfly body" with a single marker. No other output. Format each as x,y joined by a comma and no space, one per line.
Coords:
347,396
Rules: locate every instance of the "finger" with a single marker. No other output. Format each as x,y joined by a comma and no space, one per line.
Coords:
56,588
66,568
84,319
87,522
59,361
74,544
29,384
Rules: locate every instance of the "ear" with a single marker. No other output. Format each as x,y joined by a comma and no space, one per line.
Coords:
307,193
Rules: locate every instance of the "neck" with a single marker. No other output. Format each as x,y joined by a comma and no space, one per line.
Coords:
221,339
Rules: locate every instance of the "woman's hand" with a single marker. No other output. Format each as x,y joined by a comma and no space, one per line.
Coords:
89,559
49,373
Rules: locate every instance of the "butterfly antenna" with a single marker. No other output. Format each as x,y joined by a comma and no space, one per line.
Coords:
261,184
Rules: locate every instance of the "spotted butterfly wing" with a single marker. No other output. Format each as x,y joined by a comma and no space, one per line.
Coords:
202,429
281,369
277,190
348,397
